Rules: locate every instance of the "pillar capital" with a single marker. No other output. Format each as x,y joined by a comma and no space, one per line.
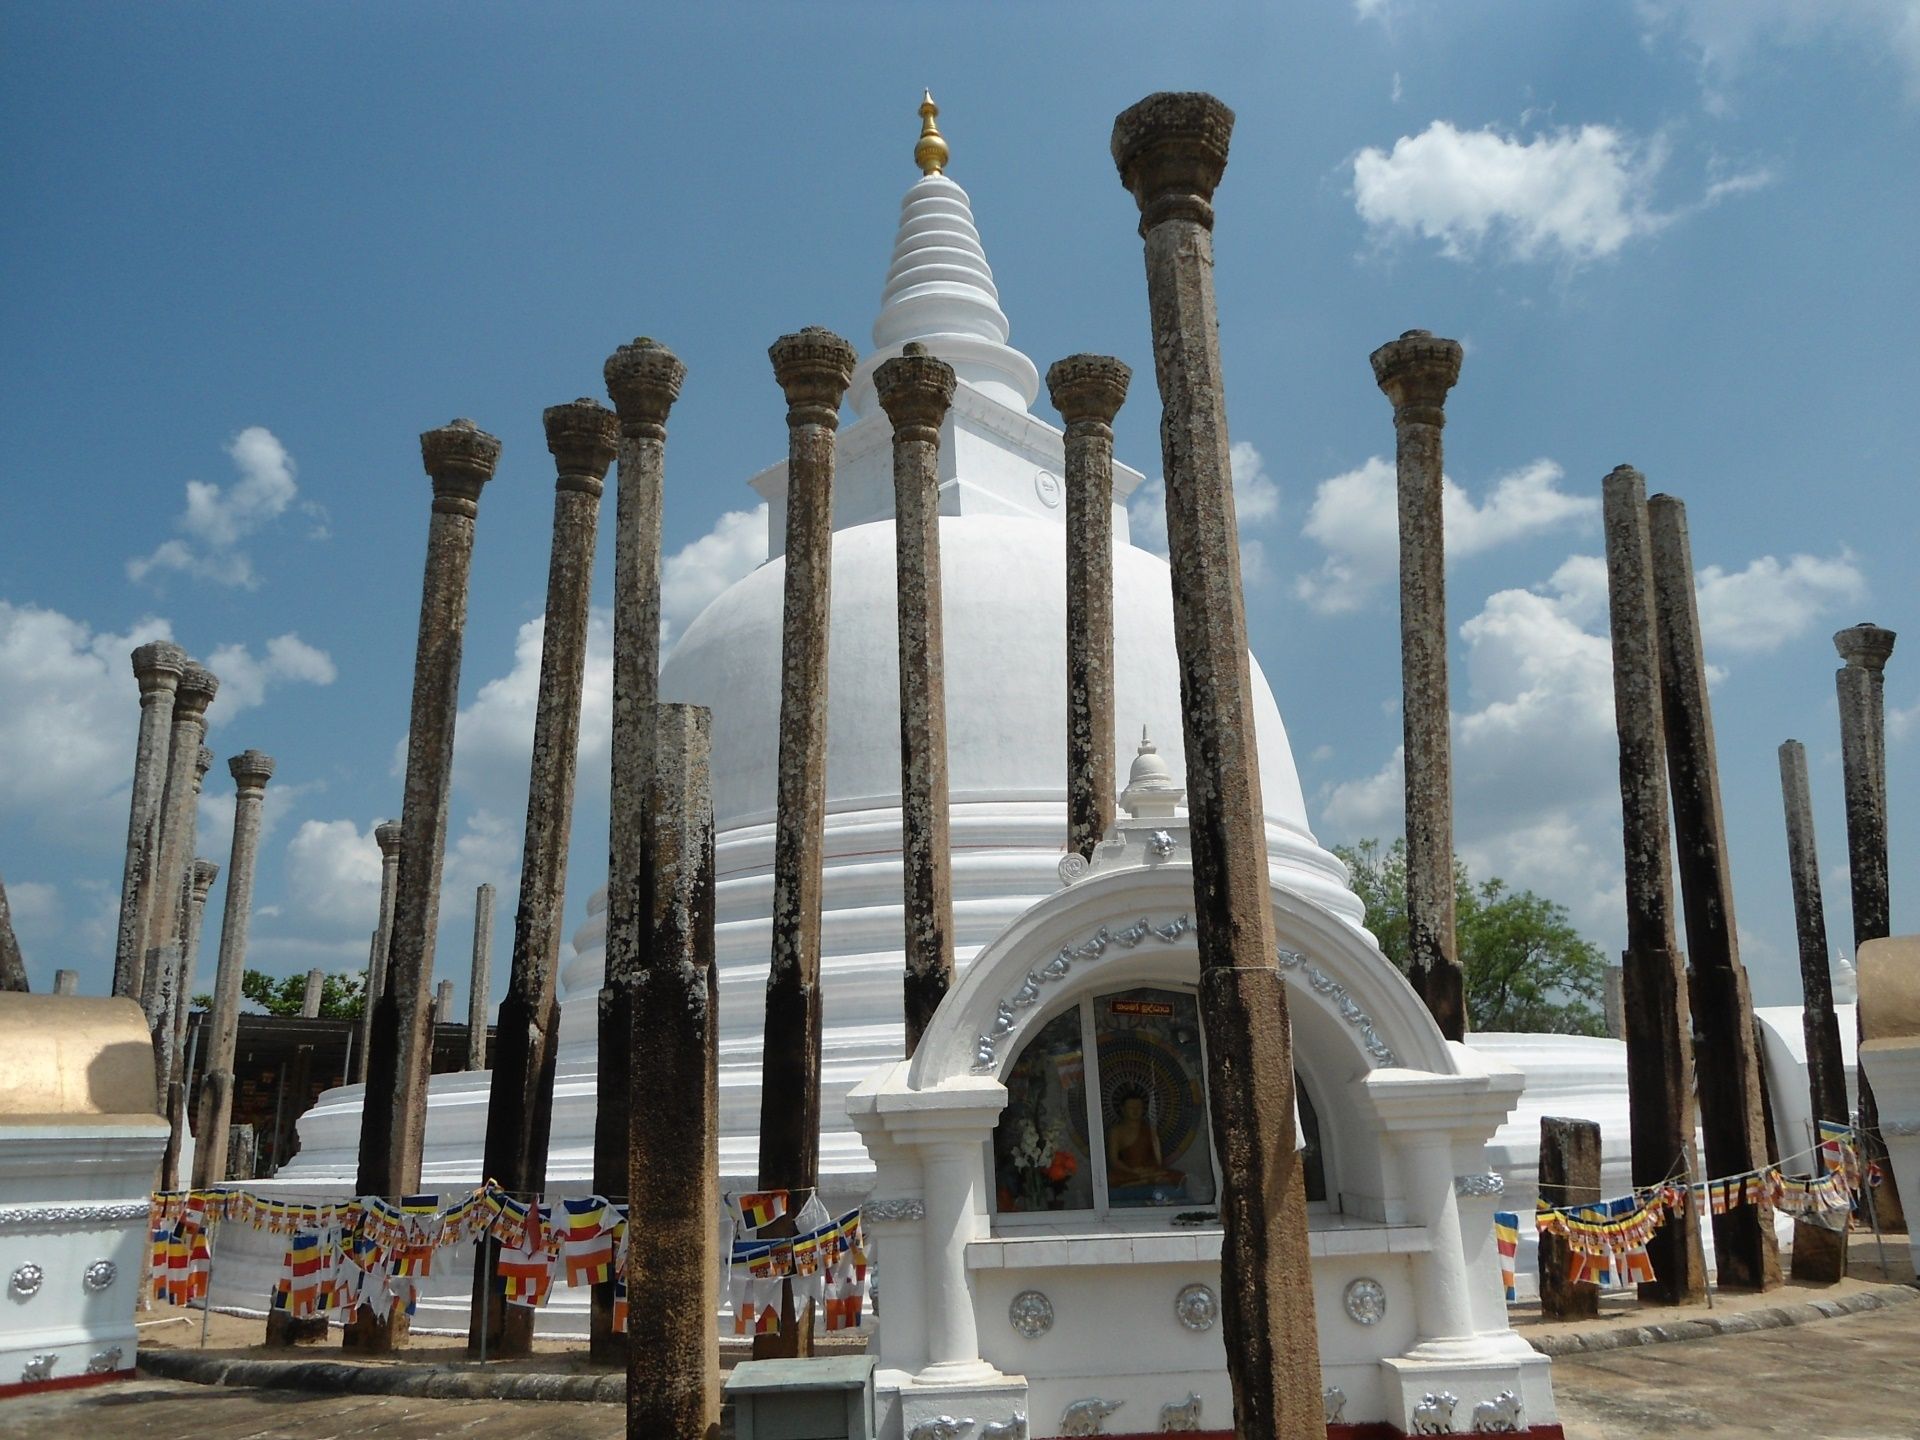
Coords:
387,836
460,457
203,762
643,380
814,367
1088,387
915,387
584,436
1171,150
1864,646
198,686
251,769
1416,371
205,872
158,666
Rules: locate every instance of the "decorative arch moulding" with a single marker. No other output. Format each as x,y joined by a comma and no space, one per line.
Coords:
1027,995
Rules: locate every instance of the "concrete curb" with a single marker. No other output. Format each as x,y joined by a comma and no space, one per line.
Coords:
427,1382
1740,1322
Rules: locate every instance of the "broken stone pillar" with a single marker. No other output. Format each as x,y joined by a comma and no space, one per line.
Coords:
915,388
13,968
1171,150
443,1003
251,770
1569,1175
387,837
205,872
643,380
813,368
158,667
1861,683
66,982
584,437
481,980
310,997
460,458
1655,1011
1819,1251
1415,372
673,1350
1088,391
1728,1062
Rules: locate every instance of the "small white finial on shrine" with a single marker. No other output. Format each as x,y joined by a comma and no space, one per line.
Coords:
1151,793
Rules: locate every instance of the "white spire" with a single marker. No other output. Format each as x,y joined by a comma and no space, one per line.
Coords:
940,292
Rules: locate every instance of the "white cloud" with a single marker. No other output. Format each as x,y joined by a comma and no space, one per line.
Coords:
1573,195
1903,721
217,521
1763,606
1256,502
698,571
333,873
1355,519
1725,36
244,680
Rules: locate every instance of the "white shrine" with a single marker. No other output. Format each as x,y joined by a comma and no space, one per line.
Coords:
1039,1178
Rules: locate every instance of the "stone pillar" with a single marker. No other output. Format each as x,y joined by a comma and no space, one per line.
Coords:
1861,683
915,388
387,837
158,667
13,968
1569,1175
584,438
1826,1070
814,368
1171,150
1655,1009
66,982
166,976
1088,391
673,1350
205,872
953,1180
251,770
443,1003
166,901
310,998
1415,372
643,380
481,980
460,458
1728,1073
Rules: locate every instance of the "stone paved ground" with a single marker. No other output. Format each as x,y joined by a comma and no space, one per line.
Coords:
1851,1379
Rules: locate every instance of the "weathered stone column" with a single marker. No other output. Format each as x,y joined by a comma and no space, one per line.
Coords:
460,457
166,975
814,368
1569,1175
1728,1069
310,997
481,979
584,438
387,837
166,900
251,770
673,1350
1819,1251
1415,372
915,388
443,1002
1171,150
158,667
1088,391
13,968
66,982
1861,683
205,872
1658,1026
643,380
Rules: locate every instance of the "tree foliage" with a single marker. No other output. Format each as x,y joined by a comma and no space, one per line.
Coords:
1526,966
339,994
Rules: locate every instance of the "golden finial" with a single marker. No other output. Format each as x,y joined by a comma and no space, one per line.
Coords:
930,154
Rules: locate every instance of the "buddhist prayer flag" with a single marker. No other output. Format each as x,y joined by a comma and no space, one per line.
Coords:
1506,1238
763,1207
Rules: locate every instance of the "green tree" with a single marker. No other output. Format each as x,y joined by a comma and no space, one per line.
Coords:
339,994
1526,966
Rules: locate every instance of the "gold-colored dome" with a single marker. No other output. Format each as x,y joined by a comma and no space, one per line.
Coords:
930,153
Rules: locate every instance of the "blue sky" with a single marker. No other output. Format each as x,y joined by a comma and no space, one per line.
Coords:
259,249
